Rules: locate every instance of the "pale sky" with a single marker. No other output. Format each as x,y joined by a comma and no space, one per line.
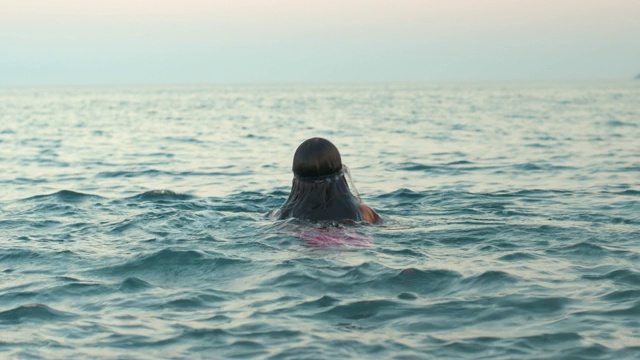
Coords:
67,42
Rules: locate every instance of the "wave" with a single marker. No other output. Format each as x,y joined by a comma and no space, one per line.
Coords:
160,195
507,347
531,166
622,295
215,338
78,288
321,302
451,168
459,162
128,174
34,312
65,196
462,202
156,172
185,304
363,309
24,180
134,284
632,168
183,139
459,167
632,310
402,193
249,201
22,255
297,281
490,280
618,123
630,192
540,146
537,304
165,256
518,256
620,276
423,281
584,249
185,265
532,193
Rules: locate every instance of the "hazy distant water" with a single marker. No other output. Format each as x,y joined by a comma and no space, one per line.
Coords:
133,222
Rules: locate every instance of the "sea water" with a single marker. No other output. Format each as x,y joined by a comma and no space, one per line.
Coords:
134,222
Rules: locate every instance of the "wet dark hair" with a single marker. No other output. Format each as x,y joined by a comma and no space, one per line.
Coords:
320,190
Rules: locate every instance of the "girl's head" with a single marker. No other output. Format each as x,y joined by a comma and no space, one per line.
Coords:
320,190
316,157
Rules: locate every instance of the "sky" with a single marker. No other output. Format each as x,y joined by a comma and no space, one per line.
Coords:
85,42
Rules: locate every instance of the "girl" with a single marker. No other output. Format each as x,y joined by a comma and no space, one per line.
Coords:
320,190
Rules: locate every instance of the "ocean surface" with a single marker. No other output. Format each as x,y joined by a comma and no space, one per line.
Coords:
134,222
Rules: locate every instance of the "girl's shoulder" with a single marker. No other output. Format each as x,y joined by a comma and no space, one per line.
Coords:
369,215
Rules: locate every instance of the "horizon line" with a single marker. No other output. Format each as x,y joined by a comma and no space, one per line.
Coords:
299,83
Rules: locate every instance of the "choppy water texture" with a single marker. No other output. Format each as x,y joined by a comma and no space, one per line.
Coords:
133,222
